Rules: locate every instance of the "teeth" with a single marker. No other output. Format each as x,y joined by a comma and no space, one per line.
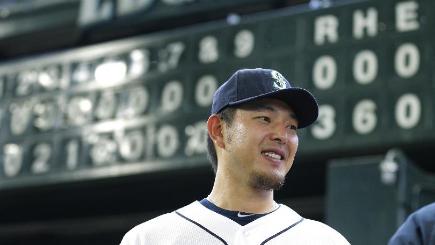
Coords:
273,155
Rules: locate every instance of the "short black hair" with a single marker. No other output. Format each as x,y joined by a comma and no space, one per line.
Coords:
226,115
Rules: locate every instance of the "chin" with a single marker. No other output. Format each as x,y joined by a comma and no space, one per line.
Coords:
264,181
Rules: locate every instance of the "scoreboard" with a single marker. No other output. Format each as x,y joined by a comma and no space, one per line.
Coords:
140,104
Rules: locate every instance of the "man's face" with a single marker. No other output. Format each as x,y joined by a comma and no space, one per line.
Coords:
261,143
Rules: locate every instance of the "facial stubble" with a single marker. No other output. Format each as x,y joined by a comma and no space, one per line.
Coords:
268,182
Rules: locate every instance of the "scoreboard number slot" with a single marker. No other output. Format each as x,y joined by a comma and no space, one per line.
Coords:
244,43
325,126
41,157
72,154
364,118
208,50
204,90
408,111
12,160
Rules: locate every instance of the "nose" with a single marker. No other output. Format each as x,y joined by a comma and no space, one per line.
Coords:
280,134
279,140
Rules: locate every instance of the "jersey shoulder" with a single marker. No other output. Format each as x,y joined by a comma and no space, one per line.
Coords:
319,233
169,228
141,233
324,233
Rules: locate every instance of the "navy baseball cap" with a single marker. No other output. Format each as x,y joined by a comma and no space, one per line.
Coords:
250,84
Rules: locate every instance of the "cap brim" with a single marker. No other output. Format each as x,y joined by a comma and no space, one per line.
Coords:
300,100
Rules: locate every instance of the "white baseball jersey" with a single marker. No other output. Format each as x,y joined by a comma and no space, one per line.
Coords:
195,224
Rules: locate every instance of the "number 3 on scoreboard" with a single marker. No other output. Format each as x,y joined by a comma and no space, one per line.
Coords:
325,125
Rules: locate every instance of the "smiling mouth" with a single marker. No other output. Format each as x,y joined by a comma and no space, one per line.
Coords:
273,155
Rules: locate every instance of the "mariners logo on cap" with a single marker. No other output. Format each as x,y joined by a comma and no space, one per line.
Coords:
279,82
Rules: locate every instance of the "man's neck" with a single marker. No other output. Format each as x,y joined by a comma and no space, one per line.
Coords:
239,197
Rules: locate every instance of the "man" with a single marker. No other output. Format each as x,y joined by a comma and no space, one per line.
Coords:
418,229
252,144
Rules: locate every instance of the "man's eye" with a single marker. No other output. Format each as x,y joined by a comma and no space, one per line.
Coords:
293,127
264,118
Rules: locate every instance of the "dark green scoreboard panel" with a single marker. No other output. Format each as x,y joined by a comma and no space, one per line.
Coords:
140,104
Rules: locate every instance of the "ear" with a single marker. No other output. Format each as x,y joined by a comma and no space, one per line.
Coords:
215,126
